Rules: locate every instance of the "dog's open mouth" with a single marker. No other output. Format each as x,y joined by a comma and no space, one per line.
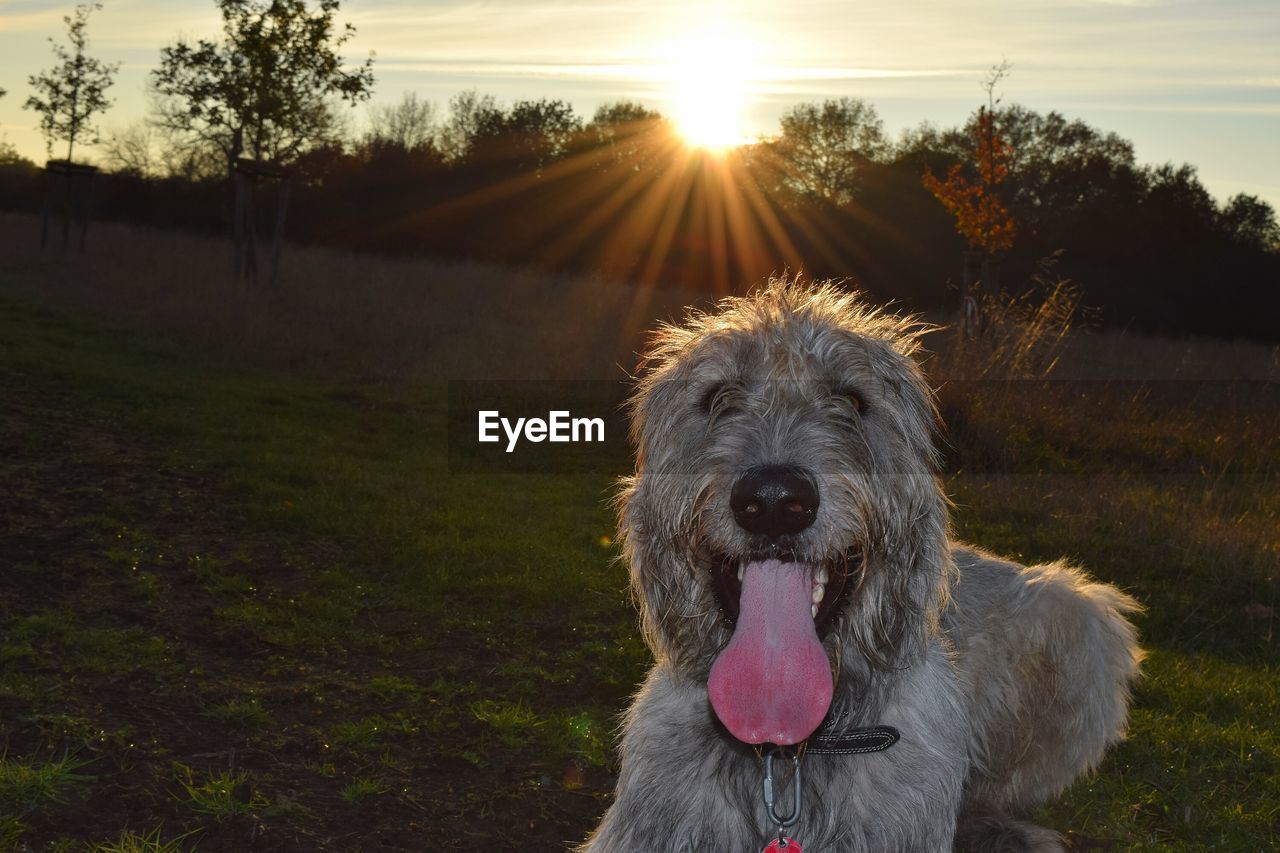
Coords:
772,683
831,585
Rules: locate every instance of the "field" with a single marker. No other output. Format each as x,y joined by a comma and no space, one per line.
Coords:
247,604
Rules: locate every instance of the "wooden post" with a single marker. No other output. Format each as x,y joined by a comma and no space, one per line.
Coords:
251,232
45,180
277,242
237,227
66,210
991,272
971,295
83,199
76,187
248,173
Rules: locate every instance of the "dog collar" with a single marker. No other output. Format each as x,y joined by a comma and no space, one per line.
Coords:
830,739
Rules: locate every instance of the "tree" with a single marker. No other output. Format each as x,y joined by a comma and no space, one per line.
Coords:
409,125
1250,221
621,114
526,139
1060,169
981,216
1177,204
71,93
628,134
823,147
130,150
268,88
467,111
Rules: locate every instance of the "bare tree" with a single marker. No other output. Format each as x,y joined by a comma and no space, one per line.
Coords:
409,125
267,88
131,150
467,112
68,95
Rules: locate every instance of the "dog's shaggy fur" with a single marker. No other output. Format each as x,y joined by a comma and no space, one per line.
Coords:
1006,682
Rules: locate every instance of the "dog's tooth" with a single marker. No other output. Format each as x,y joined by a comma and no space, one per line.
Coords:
739,571
813,611
819,590
823,575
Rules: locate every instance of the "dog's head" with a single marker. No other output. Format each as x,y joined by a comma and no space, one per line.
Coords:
785,519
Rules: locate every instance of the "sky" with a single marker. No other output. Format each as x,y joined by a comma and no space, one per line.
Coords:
1185,81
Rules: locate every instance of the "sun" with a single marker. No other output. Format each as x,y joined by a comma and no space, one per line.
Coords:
709,82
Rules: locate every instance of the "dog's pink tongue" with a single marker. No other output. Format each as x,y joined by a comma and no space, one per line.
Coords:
772,683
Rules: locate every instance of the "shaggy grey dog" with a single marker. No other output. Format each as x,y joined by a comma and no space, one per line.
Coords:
789,546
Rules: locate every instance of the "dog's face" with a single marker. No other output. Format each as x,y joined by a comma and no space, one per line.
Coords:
785,469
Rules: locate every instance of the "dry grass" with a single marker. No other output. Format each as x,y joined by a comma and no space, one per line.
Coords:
417,319
340,313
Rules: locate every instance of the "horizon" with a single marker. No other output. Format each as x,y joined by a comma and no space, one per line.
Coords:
1186,82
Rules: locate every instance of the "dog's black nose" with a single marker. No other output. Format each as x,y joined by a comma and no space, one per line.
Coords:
774,500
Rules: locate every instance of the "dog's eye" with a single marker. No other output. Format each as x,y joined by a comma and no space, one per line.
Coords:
852,396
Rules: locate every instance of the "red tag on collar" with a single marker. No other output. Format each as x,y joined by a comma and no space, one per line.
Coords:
783,845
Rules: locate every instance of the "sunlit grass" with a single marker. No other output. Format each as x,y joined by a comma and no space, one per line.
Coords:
515,723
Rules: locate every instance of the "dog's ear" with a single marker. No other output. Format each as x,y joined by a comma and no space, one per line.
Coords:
653,395
651,391
907,578
905,585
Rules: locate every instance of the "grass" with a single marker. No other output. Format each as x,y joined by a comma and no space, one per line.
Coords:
311,588
28,783
145,842
241,715
263,561
361,788
222,794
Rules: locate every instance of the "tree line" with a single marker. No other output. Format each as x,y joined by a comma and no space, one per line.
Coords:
533,183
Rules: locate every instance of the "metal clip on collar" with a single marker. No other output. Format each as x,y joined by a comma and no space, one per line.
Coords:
769,793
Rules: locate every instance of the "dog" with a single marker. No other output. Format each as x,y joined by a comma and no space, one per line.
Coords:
789,547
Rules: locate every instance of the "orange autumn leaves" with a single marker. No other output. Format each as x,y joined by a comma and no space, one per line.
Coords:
981,217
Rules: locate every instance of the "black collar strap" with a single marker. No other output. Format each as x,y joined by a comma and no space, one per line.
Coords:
831,740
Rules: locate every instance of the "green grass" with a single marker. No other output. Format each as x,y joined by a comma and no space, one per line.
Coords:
393,689
241,715
319,585
368,732
28,783
514,723
145,842
359,789
222,794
